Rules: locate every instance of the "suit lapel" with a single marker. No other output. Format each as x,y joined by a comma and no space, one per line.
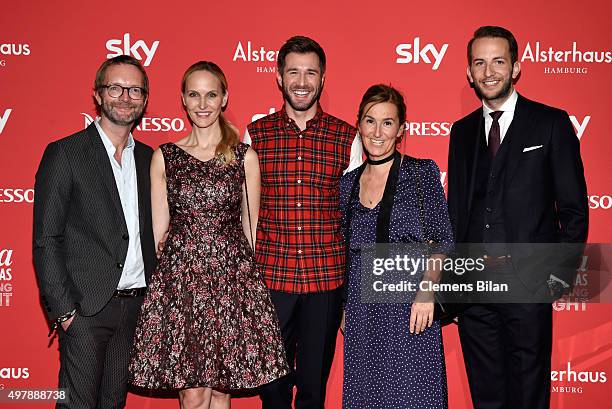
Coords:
104,167
142,175
476,134
518,136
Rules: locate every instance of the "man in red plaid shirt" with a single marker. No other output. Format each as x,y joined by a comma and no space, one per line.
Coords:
303,152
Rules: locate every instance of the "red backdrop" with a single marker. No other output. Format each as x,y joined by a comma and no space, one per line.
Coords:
49,52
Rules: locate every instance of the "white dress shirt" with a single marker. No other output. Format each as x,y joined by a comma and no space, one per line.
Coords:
505,120
133,275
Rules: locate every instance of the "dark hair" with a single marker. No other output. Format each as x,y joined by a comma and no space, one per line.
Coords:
494,32
378,94
120,59
300,45
229,134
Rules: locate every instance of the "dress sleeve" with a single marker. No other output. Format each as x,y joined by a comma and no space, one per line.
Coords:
437,222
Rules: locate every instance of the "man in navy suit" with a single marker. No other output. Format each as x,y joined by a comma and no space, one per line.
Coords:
514,176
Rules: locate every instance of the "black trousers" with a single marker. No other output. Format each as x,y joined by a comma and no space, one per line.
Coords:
507,353
95,353
309,325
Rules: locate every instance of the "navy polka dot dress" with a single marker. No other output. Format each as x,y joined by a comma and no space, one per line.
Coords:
384,365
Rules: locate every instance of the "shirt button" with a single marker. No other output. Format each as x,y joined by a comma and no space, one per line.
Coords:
299,158
125,236
299,251
299,205
487,226
119,265
300,136
299,181
300,228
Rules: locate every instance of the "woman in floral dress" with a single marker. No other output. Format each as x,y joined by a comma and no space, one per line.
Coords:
207,325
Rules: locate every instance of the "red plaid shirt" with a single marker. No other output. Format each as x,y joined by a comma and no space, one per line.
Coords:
300,245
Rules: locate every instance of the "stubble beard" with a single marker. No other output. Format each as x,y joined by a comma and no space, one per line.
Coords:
108,110
503,93
288,96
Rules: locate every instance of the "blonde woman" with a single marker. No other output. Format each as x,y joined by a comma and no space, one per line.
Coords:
207,325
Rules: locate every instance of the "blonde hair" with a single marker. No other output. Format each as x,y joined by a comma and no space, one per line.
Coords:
229,133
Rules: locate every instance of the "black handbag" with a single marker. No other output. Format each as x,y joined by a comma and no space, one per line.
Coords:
443,312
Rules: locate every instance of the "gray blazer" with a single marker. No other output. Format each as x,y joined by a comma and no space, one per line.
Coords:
80,234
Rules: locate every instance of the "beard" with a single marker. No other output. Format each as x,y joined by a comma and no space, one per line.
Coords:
129,119
502,93
301,105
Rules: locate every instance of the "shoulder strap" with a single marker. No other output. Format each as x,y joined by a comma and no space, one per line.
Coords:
419,188
383,222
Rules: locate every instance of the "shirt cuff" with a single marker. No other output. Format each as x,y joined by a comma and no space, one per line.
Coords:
557,279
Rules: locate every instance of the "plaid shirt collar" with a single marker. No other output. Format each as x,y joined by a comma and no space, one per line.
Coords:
310,123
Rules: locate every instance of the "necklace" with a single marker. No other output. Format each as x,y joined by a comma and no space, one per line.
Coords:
381,161
372,192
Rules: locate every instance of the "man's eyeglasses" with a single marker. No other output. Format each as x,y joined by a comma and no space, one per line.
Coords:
116,91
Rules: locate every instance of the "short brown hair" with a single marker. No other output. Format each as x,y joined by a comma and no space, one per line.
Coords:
300,45
494,32
120,59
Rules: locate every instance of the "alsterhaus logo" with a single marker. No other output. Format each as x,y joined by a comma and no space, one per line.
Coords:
150,124
11,49
575,379
14,373
247,51
4,118
555,58
416,53
139,49
14,49
6,276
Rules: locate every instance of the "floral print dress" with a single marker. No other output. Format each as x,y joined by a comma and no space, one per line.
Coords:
207,319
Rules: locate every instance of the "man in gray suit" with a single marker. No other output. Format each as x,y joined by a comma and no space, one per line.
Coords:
93,240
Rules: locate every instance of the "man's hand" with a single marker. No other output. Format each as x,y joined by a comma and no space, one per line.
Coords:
342,323
67,323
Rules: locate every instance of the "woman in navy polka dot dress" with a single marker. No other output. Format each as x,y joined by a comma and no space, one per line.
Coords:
393,353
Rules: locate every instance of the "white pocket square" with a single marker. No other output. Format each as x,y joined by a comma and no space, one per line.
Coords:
532,148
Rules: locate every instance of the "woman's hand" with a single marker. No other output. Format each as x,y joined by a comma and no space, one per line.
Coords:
421,316
161,245
342,323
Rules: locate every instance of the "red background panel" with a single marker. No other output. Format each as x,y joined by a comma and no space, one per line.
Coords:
48,90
